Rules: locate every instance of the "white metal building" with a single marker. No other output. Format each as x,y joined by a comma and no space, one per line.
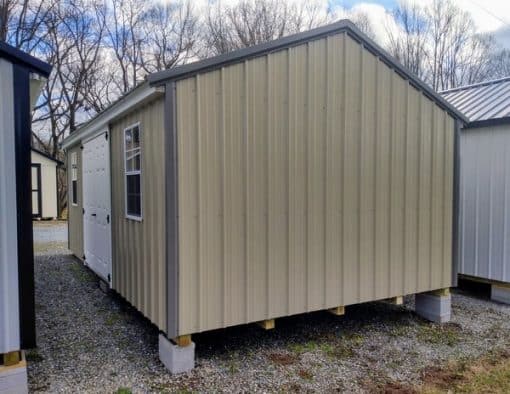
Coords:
21,77
484,228
44,185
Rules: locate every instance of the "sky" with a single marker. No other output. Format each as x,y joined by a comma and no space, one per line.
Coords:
490,16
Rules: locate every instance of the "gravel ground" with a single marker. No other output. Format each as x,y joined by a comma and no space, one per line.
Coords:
90,342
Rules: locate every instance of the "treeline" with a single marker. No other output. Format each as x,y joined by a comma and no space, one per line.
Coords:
100,49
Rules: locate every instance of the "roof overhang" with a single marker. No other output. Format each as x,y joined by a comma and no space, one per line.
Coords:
137,97
16,56
345,25
487,123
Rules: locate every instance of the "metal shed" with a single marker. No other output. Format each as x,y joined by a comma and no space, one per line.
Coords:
484,235
308,173
21,77
44,185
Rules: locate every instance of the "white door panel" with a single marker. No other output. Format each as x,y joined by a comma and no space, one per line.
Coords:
97,237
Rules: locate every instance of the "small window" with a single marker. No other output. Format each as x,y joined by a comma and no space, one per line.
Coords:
133,169
74,178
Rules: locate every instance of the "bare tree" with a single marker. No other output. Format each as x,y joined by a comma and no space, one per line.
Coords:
500,63
409,45
170,33
125,39
253,22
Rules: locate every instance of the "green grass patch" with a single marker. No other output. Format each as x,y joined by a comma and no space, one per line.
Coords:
440,334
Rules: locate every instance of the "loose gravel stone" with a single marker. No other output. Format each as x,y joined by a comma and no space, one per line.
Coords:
90,342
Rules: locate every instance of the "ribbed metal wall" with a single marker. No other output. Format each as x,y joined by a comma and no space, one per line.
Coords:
312,177
485,202
139,265
75,213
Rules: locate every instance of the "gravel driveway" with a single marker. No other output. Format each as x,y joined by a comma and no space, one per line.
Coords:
91,342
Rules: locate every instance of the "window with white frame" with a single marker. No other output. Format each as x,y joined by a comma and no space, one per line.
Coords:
133,169
74,178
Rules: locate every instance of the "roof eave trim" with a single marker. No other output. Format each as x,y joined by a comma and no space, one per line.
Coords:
17,56
102,121
344,25
487,122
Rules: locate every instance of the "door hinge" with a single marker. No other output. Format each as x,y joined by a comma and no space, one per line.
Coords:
106,136
81,147
84,258
109,278
83,211
108,219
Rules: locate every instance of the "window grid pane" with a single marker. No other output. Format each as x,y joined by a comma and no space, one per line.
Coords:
132,159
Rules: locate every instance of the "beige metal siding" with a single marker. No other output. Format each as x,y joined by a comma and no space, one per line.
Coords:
309,178
139,267
75,212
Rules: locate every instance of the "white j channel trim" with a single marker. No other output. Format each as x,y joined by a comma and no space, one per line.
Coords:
138,96
9,300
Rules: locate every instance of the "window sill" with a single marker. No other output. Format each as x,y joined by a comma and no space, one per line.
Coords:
134,218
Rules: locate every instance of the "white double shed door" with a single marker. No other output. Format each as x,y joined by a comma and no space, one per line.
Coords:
97,234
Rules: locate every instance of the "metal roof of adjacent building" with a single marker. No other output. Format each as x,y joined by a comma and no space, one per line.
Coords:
485,102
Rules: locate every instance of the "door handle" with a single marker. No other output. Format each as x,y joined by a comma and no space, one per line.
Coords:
94,214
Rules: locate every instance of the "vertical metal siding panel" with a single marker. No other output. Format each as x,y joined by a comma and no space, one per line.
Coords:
424,206
277,181
316,174
448,165
233,195
351,175
334,89
257,190
297,179
411,190
397,185
188,201
437,200
368,114
383,179
139,271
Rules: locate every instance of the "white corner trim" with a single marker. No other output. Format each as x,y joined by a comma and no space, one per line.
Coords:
9,300
138,96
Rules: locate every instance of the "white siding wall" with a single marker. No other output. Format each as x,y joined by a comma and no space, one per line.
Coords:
485,203
9,302
48,185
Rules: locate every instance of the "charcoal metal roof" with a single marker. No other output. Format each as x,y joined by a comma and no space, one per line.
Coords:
486,102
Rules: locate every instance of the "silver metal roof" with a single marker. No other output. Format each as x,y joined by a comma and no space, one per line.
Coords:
482,101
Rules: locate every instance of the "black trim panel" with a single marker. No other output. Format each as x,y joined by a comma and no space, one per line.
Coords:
17,57
22,136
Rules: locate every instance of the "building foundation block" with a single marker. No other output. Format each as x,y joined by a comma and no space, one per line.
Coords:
13,378
500,294
177,359
434,306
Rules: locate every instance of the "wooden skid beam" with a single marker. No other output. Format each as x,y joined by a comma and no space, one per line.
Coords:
266,324
441,292
399,300
183,340
338,311
11,358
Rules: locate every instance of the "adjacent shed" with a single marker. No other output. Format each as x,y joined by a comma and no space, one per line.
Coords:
44,185
484,235
308,173
21,77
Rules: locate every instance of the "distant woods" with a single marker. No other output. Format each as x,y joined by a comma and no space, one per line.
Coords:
100,49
